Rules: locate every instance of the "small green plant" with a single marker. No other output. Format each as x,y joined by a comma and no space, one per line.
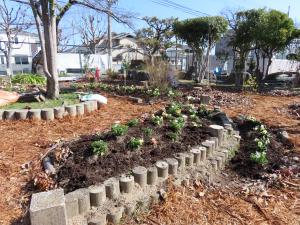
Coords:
28,78
135,143
174,109
99,147
112,74
133,123
119,129
171,93
203,111
252,83
173,136
153,92
157,120
190,109
147,132
259,157
177,124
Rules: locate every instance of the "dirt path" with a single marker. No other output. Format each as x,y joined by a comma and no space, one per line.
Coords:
272,110
24,142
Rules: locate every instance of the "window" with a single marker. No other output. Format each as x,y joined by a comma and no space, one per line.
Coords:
21,60
16,40
2,60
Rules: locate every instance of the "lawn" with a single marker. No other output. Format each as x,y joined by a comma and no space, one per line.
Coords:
66,99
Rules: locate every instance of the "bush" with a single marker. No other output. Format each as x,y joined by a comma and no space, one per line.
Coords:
158,75
135,143
133,123
27,78
99,147
112,74
119,130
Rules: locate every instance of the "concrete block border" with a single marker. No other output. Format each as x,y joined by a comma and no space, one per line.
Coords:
139,188
50,114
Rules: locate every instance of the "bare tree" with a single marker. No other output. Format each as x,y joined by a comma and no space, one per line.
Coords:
12,22
92,32
47,15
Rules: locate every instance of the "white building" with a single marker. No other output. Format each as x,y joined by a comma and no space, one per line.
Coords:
24,48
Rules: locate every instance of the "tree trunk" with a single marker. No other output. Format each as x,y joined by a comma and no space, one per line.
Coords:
269,64
240,66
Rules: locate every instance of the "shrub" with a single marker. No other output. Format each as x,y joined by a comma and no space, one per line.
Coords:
112,74
147,132
28,78
119,130
157,120
174,109
158,75
177,124
173,136
99,147
135,143
133,123
259,157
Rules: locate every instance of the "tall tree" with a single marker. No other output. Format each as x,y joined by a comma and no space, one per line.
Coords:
156,36
92,32
48,14
12,22
201,34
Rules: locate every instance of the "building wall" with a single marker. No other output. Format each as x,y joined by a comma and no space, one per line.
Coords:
24,48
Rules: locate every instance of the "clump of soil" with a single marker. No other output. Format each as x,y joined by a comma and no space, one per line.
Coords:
78,170
294,110
277,152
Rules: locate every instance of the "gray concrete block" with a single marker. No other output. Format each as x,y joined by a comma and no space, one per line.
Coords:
88,107
115,215
197,155
80,109
34,114
180,157
84,203
47,114
71,110
9,114
97,195
205,99
189,159
112,188
217,131
215,140
94,105
162,169
209,146
173,166
99,219
203,153
126,184
48,208
72,207
152,175
21,114
59,112
140,175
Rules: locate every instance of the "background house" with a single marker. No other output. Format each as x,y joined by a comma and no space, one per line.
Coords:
24,48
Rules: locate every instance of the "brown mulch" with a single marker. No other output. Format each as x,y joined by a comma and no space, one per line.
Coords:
23,142
229,203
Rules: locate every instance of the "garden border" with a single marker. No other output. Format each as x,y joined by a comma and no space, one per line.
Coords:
49,114
140,188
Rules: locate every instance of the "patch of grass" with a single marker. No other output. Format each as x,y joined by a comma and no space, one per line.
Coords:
67,99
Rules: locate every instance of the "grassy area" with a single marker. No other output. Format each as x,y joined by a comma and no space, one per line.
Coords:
67,99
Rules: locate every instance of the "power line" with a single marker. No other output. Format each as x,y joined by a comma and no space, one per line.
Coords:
179,7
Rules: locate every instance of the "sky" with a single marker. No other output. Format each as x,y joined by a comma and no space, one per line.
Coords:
143,8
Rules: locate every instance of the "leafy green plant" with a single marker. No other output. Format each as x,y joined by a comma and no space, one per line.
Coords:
203,111
28,78
174,109
99,147
135,143
153,92
147,131
259,157
157,120
173,136
133,123
177,124
119,129
112,74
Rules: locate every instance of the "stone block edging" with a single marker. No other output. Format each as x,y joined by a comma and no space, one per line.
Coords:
140,187
49,114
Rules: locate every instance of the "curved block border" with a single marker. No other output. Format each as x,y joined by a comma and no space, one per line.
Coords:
50,114
139,188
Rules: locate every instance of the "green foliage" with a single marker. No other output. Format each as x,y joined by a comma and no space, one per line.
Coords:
99,147
153,92
157,120
177,124
173,136
27,78
203,111
147,132
112,74
135,143
174,109
119,129
259,157
133,123
252,82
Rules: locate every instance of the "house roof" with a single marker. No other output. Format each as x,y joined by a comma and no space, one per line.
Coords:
23,33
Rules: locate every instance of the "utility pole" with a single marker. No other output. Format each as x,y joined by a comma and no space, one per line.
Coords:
176,55
109,38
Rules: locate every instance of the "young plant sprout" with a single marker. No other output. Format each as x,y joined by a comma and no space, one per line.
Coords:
119,130
99,147
157,120
135,143
133,123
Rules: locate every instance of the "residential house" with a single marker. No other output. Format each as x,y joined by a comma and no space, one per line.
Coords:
25,47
